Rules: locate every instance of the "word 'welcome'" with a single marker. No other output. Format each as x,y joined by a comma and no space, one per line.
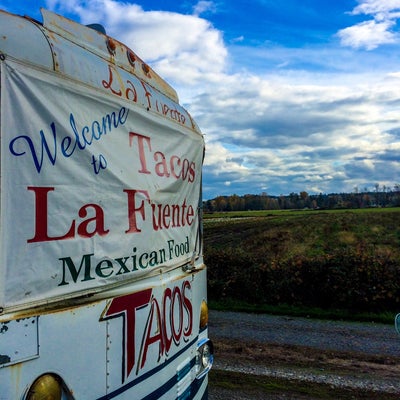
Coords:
51,145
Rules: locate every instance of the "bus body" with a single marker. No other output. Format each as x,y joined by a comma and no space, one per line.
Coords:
102,281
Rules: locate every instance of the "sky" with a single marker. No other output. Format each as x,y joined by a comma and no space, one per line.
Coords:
291,95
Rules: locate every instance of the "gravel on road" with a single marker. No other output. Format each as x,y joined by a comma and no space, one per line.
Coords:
360,356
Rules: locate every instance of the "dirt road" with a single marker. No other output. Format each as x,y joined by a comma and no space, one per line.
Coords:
363,359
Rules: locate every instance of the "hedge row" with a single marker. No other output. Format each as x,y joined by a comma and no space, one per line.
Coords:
347,279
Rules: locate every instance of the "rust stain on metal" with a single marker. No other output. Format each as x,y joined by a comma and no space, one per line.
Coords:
111,46
146,69
131,57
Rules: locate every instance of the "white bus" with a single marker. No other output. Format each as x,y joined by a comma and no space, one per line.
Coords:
102,280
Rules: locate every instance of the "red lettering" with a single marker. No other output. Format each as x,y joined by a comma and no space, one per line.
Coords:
98,220
169,324
107,85
133,209
147,94
41,220
157,226
171,215
142,156
167,321
176,314
161,167
127,88
158,335
131,90
192,172
126,307
188,307
166,214
178,162
184,220
183,169
190,215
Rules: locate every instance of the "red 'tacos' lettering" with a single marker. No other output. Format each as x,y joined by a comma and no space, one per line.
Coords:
126,307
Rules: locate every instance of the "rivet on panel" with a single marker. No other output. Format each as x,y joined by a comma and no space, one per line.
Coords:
111,46
146,69
131,57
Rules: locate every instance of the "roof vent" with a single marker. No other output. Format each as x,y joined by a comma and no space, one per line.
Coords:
97,27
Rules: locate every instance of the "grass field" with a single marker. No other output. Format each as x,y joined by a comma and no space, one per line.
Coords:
334,261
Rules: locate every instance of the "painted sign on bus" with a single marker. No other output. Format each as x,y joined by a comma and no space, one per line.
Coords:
102,279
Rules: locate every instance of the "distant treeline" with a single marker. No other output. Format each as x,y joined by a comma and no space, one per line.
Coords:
382,198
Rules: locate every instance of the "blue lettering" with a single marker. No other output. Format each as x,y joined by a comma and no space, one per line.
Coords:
65,143
75,130
37,158
68,144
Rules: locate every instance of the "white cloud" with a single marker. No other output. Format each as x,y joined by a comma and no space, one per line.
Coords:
182,48
266,133
372,33
238,39
275,132
380,8
203,7
368,34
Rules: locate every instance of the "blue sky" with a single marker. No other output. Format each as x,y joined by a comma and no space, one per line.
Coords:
296,95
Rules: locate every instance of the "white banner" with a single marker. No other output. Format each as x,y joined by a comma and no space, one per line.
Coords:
93,191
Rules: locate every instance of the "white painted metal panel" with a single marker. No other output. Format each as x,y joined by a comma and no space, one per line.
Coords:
19,340
23,40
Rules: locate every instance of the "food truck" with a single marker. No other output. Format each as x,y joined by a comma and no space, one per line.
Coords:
102,279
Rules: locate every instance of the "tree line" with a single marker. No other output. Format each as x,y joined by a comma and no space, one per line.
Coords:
379,197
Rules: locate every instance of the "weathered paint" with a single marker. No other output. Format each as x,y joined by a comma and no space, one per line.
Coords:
91,40
84,340
18,340
75,342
